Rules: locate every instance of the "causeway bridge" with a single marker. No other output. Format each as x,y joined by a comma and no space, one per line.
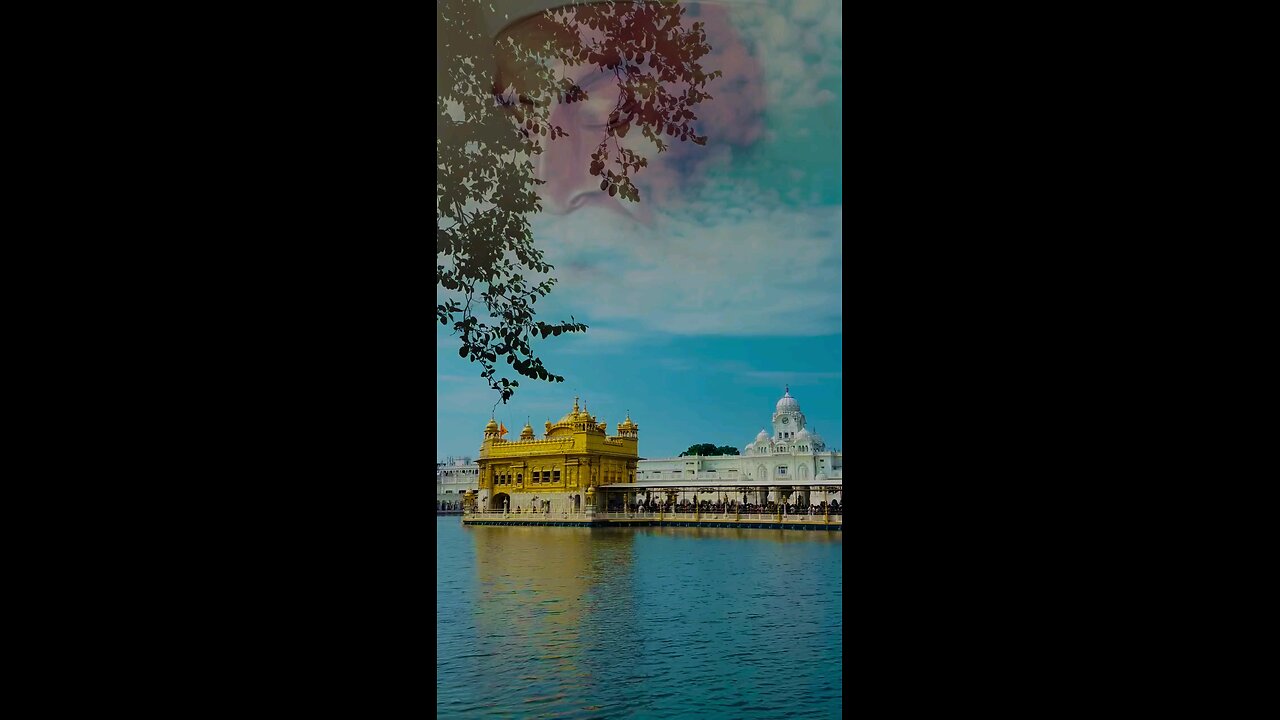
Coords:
826,522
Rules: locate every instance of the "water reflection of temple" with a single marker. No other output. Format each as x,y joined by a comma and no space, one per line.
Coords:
538,582
548,595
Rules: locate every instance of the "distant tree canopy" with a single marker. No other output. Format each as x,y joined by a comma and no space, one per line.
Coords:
494,102
706,449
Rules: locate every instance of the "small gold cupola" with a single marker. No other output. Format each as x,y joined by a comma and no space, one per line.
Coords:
626,428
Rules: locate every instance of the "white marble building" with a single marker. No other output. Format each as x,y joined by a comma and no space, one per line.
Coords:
791,456
454,477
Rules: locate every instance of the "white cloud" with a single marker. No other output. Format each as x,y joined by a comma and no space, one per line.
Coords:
460,395
735,262
677,364
780,34
596,340
811,43
465,396
761,377
807,11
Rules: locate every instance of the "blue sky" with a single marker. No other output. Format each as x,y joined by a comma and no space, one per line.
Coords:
700,313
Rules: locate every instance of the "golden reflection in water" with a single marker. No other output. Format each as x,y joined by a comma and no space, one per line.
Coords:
560,605
552,582
548,586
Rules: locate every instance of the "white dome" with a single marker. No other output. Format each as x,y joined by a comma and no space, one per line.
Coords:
803,434
788,403
762,436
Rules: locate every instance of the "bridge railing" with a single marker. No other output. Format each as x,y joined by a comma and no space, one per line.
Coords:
720,517
553,515
666,516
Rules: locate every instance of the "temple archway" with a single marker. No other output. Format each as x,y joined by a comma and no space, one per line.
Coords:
499,501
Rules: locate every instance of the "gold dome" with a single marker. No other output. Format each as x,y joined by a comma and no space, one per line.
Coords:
572,416
577,415
492,426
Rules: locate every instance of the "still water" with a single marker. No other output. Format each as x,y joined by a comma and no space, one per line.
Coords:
558,622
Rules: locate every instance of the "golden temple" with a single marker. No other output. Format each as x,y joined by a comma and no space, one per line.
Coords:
558,472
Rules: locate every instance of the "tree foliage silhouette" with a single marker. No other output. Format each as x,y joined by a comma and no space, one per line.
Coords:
493,116
709,449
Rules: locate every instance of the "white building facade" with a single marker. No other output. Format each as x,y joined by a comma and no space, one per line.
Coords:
454,477
789,459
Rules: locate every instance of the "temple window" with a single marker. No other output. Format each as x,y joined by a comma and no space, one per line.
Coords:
555,476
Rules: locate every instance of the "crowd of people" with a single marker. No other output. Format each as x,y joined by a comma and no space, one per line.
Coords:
687,506
733,506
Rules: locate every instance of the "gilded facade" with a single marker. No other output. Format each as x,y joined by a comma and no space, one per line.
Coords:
559,471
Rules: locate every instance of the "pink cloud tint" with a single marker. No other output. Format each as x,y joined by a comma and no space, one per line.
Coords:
733,118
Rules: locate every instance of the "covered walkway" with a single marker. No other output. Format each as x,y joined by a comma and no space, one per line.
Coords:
750,496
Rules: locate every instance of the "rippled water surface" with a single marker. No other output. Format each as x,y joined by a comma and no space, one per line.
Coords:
557,622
